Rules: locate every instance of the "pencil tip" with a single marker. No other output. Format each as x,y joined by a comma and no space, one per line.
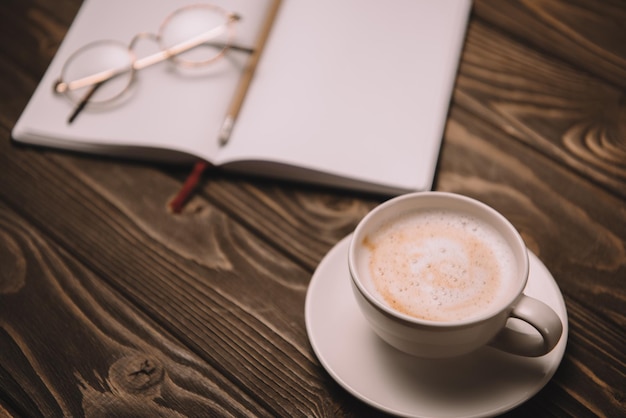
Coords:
227,128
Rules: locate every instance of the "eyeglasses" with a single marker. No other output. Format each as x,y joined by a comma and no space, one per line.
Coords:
102,72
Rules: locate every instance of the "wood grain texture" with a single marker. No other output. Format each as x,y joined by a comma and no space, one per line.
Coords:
584,34
249,287
567,114
55,315
111,305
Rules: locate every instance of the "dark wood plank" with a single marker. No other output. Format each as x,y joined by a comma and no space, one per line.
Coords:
72,346
567,114
284,213
231,281
585,34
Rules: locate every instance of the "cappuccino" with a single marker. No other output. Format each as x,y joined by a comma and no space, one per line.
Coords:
439,265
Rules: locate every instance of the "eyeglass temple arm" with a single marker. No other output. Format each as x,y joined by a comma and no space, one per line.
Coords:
83,102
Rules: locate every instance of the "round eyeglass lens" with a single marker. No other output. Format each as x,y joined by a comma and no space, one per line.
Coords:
103,70
196,35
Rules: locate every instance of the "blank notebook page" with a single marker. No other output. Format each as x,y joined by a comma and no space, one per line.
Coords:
355,87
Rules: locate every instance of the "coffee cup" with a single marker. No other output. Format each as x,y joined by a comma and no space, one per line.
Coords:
440,275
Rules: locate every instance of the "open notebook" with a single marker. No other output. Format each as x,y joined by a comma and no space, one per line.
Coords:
347,93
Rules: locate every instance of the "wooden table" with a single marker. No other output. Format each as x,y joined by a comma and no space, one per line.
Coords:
109,305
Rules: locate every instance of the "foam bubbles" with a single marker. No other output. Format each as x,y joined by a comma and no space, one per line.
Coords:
439,266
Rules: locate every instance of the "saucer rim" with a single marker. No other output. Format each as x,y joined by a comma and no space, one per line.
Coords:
342,246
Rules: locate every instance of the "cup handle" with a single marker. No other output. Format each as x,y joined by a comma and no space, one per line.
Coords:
542,318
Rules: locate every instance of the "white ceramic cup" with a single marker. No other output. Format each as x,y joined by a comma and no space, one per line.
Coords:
448,338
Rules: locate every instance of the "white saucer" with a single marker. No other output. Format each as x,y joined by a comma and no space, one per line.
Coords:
485,383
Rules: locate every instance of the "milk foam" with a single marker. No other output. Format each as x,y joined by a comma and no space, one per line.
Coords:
439,266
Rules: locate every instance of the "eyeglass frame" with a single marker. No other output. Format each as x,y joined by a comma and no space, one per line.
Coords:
171,53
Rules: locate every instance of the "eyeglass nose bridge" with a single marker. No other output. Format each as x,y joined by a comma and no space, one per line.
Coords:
153,58
140,36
